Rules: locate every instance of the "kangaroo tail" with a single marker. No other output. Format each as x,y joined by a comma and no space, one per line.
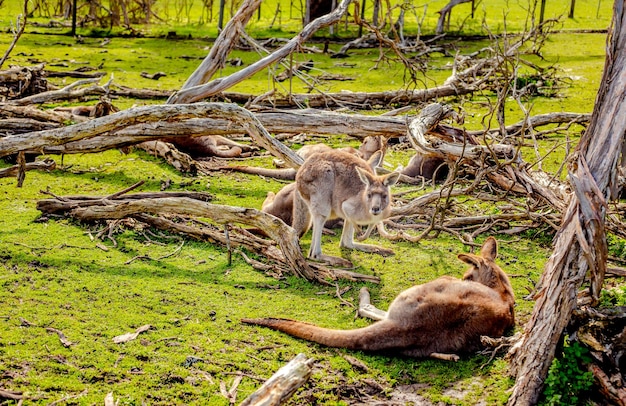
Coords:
378,336
281,174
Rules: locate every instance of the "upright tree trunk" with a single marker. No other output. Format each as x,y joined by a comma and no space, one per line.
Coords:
580,246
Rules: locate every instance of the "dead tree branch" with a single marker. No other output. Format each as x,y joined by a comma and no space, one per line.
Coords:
581,245
283,384
35,141
20,25
152,208
200,92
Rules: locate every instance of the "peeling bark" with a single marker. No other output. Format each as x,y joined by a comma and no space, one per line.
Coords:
580,246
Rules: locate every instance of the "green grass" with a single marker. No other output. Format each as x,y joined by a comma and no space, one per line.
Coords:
421,17
53,274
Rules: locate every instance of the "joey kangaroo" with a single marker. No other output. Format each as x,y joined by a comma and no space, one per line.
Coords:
336,184
438,319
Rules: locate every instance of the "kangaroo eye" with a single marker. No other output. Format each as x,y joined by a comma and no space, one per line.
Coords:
369,195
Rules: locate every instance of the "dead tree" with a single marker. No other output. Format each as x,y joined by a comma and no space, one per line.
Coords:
580,246
200,92
446,11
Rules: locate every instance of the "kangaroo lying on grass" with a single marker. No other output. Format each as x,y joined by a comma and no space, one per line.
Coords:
438,319
337,184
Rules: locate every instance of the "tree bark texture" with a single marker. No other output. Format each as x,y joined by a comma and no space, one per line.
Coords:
286,238
283,384
580,245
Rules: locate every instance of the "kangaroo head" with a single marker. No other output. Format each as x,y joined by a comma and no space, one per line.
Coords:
484,270
377,195
371,144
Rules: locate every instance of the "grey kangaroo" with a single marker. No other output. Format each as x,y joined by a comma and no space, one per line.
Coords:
337,184
438,319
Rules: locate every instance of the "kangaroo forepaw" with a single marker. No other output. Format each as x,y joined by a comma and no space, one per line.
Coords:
445,357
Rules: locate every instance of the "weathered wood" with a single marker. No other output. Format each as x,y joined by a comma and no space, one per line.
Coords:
224,44
179,160
46,117
71,91
445,12
603,332
274,121
75,74
196,205
283,384
13,171
150,114
216,86
22,81
580,246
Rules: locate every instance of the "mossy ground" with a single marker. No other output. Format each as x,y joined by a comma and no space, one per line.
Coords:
54,274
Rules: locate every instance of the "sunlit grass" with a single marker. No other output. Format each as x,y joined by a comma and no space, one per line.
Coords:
55,274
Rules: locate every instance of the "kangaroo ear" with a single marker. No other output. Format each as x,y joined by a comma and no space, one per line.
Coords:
363,175
470,259
489,250
375,160
391,179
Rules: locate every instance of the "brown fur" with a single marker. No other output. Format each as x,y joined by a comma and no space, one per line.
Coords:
367,148
447,315
210,145
371,144
280,204
337,184
428,167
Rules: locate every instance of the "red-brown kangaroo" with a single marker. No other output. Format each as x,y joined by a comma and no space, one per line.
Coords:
438,319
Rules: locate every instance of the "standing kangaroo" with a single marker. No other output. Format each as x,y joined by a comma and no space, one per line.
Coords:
437,319
337,184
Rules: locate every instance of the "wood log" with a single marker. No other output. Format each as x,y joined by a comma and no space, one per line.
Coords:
12,171
75,74
196,205
580,246
69,92
283,384
18,82
274,121
147,114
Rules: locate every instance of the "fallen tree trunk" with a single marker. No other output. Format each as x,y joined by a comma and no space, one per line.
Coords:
581,246
149,114
274,121
14,170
